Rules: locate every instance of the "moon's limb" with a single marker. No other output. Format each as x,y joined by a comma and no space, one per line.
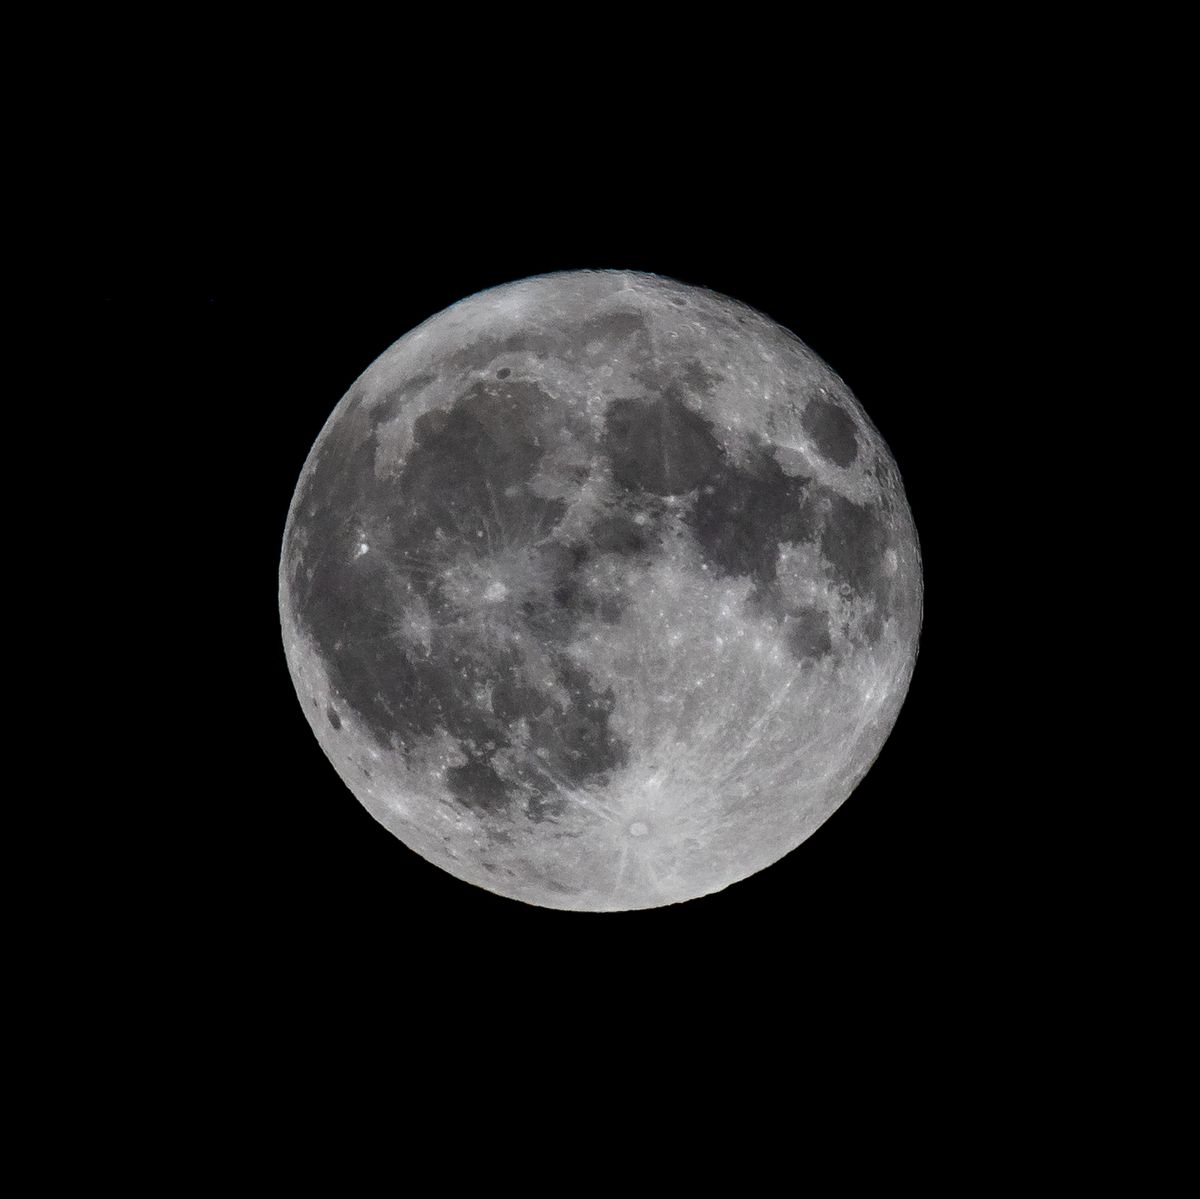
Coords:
600,591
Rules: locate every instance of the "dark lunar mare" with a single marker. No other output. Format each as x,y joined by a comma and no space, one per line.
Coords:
742,513
460,495
659,445
740,521
832,429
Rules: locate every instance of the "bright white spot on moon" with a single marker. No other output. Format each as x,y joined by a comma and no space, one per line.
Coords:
495,592
638,829
362,549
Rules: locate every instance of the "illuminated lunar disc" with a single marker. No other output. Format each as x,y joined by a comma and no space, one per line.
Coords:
600,591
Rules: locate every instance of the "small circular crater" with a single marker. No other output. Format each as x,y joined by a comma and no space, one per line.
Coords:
638,829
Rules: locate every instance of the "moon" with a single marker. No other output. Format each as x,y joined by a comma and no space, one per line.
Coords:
600,591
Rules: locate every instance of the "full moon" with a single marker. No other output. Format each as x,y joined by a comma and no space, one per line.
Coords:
600,591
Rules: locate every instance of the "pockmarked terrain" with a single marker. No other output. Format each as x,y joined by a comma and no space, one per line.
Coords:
600,591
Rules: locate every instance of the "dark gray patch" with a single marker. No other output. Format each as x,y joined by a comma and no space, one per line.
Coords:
807,634
833,431
552,616
575,736
618,535
341,481
688,378
569,742
456,479
554,884
503,373
479,354
540,344
570,599
513,698
611,326
854,539
612,608
477,785
660,446
740,522
698,379
464,483
872,624
461,495
570,596
333,718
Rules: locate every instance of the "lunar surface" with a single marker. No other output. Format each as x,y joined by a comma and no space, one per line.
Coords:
600,591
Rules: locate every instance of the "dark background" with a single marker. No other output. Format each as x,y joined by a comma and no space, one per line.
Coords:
241,241
269,303
248,245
